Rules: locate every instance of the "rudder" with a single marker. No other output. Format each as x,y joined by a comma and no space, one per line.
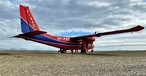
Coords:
28,22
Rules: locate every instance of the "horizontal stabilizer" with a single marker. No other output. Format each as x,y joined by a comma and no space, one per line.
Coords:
30,34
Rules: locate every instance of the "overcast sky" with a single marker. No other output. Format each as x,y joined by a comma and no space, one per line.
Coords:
75,18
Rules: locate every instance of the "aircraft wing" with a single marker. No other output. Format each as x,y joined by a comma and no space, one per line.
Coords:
134,29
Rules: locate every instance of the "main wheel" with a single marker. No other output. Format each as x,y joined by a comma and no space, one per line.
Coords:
72,51
83,51
92,51
63,51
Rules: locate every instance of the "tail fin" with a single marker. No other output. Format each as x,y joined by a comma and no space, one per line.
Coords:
28,23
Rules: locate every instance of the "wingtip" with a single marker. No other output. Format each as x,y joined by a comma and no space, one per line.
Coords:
137,28
140,27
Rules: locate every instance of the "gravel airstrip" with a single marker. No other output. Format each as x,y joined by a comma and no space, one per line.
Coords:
34,63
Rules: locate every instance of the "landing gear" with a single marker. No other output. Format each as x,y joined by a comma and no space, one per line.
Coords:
72,51
62,51
83,51
92,51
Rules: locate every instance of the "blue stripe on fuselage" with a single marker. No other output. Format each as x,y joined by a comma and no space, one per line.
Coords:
46,39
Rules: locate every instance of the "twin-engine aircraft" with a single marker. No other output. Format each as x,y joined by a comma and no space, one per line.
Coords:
31,31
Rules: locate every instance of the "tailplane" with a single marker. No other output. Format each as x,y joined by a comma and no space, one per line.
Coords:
28,23
30,34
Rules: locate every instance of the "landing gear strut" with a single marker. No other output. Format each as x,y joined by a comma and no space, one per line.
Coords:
62,51
84,45
83,51
92,51
72,51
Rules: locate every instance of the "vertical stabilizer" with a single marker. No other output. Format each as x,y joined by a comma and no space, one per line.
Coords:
28,22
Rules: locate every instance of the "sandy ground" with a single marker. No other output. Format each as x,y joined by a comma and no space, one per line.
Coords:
13,63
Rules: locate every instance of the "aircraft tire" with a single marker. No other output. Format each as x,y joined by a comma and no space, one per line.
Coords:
83,51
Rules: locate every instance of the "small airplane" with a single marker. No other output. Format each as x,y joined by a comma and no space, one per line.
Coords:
31,31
